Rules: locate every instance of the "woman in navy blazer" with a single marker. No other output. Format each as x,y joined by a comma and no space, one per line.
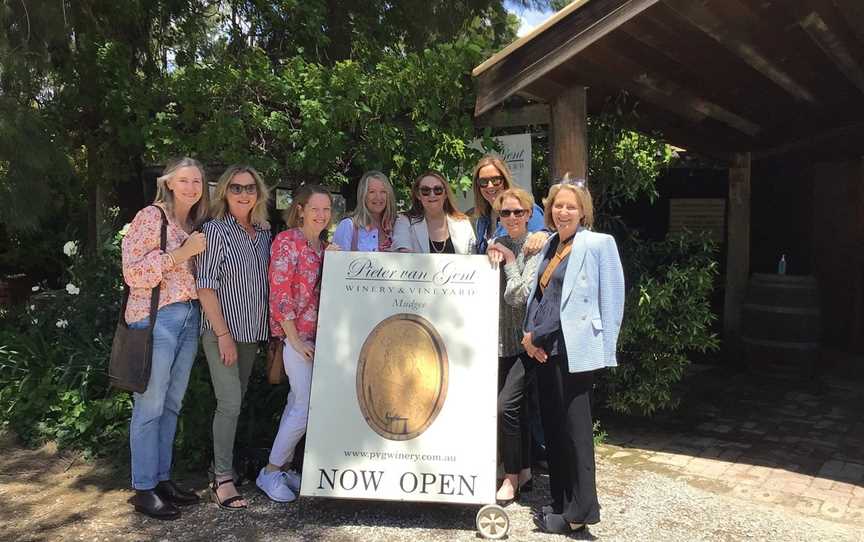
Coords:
571,328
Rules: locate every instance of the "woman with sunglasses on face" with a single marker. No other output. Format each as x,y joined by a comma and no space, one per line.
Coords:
370,228
296,260
232,287
491,177
571,328
515,368
433,224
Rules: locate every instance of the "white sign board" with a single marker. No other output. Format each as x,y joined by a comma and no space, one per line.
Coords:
404,382
517,154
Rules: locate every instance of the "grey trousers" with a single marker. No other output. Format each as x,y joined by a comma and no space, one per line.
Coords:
229,385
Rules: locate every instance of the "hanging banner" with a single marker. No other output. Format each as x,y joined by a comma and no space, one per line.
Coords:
517,154
404,382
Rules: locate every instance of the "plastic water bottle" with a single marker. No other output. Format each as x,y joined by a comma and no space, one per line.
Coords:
781,265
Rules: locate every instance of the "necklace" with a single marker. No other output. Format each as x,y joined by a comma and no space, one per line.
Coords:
435,246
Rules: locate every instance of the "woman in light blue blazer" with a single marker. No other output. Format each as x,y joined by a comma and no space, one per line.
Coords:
571,328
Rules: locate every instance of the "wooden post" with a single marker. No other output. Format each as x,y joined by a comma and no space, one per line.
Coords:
570,133
856,341
737,250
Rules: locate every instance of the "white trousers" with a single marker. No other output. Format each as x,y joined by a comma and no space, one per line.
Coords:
292,425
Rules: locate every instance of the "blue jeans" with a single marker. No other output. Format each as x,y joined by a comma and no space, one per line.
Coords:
154,415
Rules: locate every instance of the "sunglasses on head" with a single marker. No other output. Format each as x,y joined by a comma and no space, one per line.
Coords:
518,213
427,190
483,182
238,189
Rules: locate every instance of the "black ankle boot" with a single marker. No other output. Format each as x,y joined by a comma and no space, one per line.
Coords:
149,503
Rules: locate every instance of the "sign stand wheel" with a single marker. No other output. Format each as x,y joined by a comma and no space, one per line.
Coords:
492,522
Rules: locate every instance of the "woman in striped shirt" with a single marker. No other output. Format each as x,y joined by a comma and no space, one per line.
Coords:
370,228
232,287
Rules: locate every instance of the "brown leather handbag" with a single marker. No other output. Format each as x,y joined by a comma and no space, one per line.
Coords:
132,349
275,366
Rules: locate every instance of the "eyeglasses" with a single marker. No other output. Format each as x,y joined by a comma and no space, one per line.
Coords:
427,190
518,213
483,182
238,189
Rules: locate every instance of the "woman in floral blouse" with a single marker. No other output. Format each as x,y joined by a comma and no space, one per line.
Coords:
182,195
296,258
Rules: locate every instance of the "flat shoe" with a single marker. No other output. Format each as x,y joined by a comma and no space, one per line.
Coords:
555,524
226,504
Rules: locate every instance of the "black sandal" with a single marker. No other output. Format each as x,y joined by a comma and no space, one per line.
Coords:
226,504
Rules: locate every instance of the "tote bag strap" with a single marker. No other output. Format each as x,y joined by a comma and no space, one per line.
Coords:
163,243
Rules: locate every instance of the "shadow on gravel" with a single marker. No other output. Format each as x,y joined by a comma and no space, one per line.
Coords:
813,427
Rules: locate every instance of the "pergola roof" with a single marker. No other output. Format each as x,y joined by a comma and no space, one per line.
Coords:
768,76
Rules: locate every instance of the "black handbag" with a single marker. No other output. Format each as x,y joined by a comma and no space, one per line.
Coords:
132,349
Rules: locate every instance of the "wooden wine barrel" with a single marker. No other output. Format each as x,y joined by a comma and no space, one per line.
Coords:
782,324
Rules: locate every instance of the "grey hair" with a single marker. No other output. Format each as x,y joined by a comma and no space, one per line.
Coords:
198,213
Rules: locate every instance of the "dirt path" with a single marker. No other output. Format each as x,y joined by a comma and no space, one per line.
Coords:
51,496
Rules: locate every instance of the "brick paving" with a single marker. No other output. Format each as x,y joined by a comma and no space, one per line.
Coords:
799,445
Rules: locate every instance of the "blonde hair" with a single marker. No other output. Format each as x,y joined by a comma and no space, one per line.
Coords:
525,199
416,211
583,196
361,217
164,195
481,206
301,198
219,207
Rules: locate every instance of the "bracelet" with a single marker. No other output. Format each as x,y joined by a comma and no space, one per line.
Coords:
223,334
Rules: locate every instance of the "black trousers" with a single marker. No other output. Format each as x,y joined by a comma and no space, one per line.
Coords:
565,407
515,374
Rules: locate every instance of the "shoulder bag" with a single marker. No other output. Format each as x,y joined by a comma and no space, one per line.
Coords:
132,349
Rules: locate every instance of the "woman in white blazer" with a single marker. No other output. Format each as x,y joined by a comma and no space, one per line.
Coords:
571,328
433,224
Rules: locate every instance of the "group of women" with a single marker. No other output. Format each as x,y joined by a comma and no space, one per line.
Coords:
561,308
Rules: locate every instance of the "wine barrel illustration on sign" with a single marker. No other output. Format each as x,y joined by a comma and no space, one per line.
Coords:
402,376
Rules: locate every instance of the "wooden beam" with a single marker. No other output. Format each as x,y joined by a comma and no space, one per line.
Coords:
740,43
527,115
737,249
855,131
570,133
829,32
551,48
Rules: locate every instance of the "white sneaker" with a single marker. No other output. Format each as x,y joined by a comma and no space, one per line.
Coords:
293,481
275,485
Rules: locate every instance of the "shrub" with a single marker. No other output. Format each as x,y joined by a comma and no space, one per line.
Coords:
667,317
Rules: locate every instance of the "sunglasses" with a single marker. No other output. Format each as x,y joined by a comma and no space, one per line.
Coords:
238,189
483,182
518,213
427,190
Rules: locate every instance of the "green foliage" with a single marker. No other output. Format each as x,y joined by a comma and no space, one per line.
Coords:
668,317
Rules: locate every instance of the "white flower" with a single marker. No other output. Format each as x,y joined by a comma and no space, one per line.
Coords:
62,324
125,229
35,321
34,289
32,307
72,289
70,248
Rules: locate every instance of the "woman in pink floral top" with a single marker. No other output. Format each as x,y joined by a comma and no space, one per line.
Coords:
182,195
296,257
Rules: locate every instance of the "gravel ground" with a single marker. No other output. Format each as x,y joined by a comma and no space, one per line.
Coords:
48,497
